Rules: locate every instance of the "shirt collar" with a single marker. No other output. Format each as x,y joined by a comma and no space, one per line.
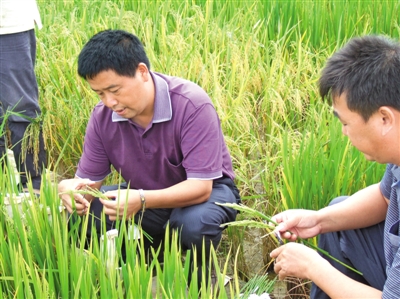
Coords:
396,172
162,102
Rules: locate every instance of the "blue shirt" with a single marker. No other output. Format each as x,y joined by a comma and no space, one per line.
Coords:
390,187
183,141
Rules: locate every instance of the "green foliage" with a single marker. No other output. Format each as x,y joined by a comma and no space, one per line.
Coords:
258,60
320,163
44,256
267,223
260,65
258,284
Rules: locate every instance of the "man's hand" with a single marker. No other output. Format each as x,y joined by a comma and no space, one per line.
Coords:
120,201
297,223
75,202
295,260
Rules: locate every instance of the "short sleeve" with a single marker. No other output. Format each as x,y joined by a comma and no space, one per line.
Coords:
94,163
202,144
386,182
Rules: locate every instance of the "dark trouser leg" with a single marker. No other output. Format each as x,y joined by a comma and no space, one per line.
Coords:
26,164
200,224
19,94
361,249
2,138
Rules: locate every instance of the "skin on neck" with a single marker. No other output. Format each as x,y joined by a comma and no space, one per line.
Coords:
390,130
145,118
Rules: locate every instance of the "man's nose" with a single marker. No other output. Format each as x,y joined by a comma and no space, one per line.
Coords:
110,100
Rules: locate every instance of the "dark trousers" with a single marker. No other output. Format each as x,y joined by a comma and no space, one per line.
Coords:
361,249
196,224
19,94
27,167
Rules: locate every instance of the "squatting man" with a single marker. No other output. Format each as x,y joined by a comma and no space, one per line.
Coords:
363,82
163,135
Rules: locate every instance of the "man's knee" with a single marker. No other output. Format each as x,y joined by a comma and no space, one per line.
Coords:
194,228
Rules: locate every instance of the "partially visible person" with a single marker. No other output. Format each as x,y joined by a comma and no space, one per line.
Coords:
18,85
362,81
163,135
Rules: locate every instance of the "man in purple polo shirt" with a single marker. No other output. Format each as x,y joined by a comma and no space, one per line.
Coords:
163,135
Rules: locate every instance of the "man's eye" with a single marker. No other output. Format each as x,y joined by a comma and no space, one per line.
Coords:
114,91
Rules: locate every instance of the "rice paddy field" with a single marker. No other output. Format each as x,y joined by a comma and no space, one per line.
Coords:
260,62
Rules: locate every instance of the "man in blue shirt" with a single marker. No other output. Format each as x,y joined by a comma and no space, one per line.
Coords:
362,81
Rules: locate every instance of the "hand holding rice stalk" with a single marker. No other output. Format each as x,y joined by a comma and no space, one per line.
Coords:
269,224
87,190
97,193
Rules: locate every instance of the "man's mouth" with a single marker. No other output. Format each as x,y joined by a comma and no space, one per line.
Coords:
119,111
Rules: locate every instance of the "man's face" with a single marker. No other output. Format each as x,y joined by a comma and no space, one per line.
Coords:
129,97
365,136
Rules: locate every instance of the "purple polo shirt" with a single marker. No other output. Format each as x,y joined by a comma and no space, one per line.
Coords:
183,141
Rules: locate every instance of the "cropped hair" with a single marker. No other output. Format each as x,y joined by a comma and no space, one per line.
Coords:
367,71
115,50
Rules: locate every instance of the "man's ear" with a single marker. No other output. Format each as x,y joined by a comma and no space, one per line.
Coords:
143,71
388,119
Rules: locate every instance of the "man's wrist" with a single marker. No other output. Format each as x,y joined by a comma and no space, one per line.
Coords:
142,199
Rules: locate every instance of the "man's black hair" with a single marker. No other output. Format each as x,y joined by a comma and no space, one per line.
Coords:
367,71
115,50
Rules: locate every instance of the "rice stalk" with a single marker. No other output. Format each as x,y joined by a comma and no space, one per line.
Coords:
270,226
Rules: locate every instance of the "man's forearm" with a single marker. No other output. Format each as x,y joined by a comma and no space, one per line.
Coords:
183,194
337,285
364,208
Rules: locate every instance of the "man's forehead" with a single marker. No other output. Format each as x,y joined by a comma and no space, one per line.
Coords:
339,96
339,106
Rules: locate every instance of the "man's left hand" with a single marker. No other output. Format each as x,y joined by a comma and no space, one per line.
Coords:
121,201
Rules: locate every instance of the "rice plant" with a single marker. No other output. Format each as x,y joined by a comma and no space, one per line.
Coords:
45,256
258,60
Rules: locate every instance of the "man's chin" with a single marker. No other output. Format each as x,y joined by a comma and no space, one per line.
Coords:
369,158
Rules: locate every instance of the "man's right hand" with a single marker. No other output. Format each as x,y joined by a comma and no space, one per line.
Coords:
297,223
75,202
